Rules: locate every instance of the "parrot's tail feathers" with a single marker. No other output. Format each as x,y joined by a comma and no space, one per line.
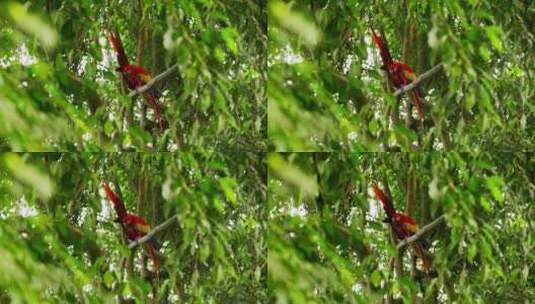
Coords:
385,201
118,204
418,104
425,259
383,48
153,103
154,257
154,242
117,45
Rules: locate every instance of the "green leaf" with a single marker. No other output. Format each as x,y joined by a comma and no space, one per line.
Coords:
220,55
472,251
29,175
295,22
32,24
228,185
407,284
485,204
496,185
405,135
292,175
495,34
375,278
374,126
108,278
230,35
484,52
139,135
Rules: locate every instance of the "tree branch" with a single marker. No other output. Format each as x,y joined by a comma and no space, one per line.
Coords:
421,78
153,81
156,229
420,232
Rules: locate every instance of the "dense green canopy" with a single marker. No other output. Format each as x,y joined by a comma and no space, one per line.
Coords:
59,244
326,90
327,242
59,90
281,118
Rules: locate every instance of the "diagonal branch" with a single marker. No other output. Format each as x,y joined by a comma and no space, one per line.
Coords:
417,81
153,81
420,232
156,229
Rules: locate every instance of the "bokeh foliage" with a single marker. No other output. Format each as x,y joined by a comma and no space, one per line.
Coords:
59,90
326,91
59,244
327,242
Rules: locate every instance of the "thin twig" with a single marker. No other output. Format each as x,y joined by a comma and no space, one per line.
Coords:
156,229
153,81
421,78
420,232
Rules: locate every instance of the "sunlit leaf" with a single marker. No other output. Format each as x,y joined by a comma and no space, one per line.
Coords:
29,175
32,24
295,22
495,33
496,186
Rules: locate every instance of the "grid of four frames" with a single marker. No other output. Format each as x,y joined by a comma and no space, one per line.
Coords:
266,151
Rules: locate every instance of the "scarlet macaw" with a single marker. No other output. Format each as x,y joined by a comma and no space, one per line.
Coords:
134,226
136,76
403,225
400,74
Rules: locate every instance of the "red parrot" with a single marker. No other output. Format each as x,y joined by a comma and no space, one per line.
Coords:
403,225
136,76
400,74
134,226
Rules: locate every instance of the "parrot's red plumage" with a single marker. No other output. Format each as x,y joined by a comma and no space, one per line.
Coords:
403,225
136,76
400,74
117,202
387,203
134,226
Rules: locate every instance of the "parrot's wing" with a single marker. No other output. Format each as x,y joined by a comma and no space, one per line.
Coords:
411,227
143,74
143,227
409,74
407,222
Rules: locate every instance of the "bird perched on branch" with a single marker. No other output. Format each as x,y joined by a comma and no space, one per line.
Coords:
133,225
403,225
136,76
399,74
